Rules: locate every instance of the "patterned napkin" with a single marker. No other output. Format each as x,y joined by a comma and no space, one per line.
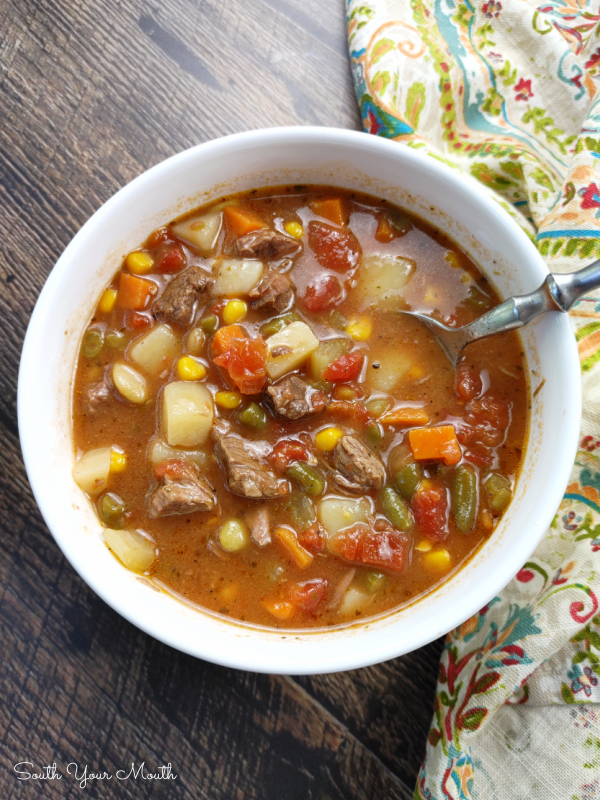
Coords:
509,91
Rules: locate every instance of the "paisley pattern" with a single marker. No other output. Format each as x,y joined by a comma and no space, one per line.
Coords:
508,91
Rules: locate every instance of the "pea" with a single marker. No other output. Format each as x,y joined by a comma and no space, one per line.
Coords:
233,536
309,478
477,299
499,492
374,433
279,323
338,321
115,339
374,580
401,224
408,478
111,509
463,497
396,510
302,511
93,341
253,416
209,324
378,406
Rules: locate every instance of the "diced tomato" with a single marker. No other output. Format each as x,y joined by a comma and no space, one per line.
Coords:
489,416
323,294
360,544
244,360
313,538
158,237
430,506
173,467
347,408
479,455
308,594
335,248
170,258
468,384
135,320
346,368
286,452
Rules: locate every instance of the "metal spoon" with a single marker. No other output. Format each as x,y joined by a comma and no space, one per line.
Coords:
557,293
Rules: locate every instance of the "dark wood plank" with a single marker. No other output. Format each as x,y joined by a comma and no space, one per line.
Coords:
91,95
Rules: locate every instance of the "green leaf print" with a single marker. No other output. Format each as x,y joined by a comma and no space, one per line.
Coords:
567,694
380,82
542,178
492,179
493,103
472,719
512,168
482,33
485,683
508,76
463,16
415,101
569,193
544,124
380,49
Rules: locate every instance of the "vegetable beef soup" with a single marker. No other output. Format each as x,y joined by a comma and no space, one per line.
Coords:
261,432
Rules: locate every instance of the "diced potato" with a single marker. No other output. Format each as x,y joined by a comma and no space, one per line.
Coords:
91,471
155,351
336,513
393,364
160,451
326,353
354,600
202,232
129,383
289,348
236,277
381,280
187,413
132,548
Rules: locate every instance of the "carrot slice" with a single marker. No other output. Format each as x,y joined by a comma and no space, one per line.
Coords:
134,293
405,416
385,232
435,444
240,222
282,609
289,540
225,337
330,208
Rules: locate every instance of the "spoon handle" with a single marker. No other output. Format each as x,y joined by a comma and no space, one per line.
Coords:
557,293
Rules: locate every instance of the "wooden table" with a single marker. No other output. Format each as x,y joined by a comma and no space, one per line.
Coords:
92,95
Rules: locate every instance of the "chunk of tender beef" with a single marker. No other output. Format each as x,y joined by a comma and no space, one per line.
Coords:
245,474
359,469
95,395
258,522
274,290
182,490
179,300
267,245
292,398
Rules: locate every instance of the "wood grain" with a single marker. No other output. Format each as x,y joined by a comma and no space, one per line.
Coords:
91,95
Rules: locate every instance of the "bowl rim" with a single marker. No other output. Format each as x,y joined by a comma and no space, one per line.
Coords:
447,618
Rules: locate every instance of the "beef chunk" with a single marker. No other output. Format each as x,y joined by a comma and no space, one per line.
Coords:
258,522
179,300
182,490
95,395
292,398
246,475
267,245
275,290
359,469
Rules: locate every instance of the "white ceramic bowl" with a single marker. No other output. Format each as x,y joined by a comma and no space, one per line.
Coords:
453,202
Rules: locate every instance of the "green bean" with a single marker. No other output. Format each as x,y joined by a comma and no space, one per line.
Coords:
279,323
374,580
396,510
111,509
374,433
253,416
463,497
115,339
338,321
209,324
308,477
302,512
93,341
499,492
408,478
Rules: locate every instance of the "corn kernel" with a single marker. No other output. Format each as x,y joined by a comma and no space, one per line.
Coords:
487,519
107,301
228,399
229,593
424,546
438,560
139,263
190,370
416,371
360,330
452,258
234,311
327,439
294,229
118,461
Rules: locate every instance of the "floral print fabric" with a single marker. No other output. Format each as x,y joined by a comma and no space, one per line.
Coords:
509,92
